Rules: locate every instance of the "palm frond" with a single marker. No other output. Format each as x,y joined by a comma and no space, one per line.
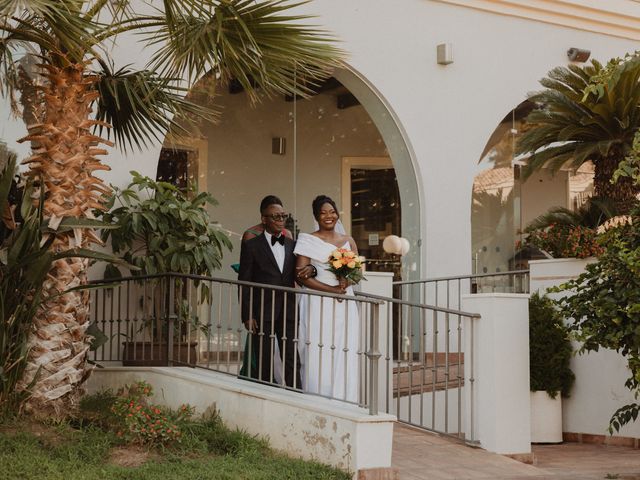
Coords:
116,11
142,107
557,216
543,158
570,128
9,73
256,43
58,23
592,214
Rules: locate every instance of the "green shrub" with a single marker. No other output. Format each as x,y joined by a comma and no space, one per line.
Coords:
604,305
162,229
549,348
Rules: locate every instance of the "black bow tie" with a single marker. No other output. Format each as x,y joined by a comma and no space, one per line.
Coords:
279,239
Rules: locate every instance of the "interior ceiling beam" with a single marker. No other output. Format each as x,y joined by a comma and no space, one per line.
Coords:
326,86
346,100
236,87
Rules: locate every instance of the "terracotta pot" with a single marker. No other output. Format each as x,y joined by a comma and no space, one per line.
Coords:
147,354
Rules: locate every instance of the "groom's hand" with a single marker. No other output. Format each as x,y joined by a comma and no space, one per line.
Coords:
308,271
251,325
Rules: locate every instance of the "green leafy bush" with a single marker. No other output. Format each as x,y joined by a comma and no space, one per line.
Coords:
86,449
549,348
161,229
604,305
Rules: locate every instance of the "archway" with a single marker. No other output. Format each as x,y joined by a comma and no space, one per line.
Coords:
342,136
503,203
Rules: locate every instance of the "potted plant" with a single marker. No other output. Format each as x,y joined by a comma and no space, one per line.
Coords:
162,229
550,374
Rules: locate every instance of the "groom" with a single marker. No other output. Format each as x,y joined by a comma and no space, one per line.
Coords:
268,259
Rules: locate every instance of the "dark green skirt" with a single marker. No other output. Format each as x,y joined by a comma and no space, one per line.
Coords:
248,356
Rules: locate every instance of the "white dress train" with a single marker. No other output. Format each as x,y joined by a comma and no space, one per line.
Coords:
329,331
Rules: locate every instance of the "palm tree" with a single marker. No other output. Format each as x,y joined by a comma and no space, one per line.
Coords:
586,113
262,45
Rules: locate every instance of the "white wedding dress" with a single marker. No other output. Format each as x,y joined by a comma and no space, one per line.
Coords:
329,331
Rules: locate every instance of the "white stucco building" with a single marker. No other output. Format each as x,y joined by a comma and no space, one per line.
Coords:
395,112
432,122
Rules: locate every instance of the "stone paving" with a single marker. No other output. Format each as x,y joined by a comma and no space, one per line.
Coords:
421,455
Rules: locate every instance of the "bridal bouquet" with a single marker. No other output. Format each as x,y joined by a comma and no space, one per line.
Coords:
344,263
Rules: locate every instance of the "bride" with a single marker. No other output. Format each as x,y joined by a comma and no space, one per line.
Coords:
329,329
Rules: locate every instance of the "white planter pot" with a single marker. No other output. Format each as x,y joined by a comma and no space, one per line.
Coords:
546,418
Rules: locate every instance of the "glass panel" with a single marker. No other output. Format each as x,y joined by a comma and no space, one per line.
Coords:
495,214
178,167
503,203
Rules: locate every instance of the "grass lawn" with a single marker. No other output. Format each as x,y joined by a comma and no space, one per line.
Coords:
92,445
35,451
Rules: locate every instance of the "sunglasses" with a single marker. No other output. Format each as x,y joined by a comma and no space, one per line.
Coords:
277,217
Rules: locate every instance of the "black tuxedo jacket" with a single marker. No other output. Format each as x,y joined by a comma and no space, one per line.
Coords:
258,265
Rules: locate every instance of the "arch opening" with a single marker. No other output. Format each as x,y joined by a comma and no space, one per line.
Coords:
504,203
343,141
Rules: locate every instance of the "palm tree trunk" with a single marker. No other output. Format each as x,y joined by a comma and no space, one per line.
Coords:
623,192
63,161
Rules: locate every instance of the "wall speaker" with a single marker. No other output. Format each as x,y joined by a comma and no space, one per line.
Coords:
278,145
445,54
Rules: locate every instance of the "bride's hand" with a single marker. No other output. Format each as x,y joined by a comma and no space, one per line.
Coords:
344,283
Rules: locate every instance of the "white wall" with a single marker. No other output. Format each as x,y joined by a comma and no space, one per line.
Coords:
449,112
497,411
302,426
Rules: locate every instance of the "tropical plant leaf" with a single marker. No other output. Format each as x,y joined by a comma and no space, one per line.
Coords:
571,126
69,223
98,337
256,43
92,254
141,107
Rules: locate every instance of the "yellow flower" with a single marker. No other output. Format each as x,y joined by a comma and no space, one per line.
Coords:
337,264
361,259
349,254
351,264
336,254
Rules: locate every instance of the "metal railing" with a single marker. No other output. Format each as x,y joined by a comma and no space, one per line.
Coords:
434,350
323,344
305,340
447,292
428,364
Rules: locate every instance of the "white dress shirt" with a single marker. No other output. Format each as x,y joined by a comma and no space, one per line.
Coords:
277,249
